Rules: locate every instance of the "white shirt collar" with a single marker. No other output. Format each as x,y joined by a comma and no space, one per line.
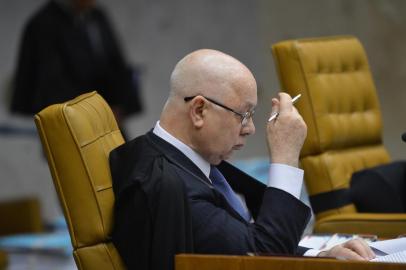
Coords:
198,160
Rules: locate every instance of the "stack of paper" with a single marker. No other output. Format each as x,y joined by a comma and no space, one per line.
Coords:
327,241
398,257
393,250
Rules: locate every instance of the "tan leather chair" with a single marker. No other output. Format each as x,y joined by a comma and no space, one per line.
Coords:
340,106
77,137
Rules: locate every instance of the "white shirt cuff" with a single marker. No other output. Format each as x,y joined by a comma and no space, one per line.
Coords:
312,253
286,178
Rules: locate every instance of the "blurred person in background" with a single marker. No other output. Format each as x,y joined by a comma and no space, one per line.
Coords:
68,48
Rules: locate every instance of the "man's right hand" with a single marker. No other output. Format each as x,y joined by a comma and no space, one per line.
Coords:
356,249
286,133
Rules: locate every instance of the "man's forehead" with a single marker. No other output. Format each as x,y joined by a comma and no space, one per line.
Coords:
246,89
247,99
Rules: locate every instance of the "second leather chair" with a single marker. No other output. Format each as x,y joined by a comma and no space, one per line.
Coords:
340,106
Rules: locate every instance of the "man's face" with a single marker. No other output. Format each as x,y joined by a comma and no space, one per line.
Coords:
223,131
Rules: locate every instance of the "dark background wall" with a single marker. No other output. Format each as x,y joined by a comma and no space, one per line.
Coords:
155,34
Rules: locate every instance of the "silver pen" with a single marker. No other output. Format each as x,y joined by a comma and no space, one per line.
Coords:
275,114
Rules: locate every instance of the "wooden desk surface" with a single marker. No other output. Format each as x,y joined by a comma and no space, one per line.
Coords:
216,262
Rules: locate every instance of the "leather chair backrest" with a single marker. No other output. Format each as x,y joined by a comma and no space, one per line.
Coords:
77,137
340,107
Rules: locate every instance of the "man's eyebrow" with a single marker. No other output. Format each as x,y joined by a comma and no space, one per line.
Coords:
250,105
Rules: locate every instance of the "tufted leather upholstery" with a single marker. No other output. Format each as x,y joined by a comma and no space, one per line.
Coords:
340,107
77,137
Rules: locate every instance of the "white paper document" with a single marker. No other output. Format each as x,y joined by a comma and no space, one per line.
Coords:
390,246
327,241
398,257
393,250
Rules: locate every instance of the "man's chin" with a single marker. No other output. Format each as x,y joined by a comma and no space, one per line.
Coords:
228,155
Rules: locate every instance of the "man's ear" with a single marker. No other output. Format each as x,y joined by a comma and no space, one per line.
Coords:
197,113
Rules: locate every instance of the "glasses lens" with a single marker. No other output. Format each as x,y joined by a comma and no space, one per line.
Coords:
247,117
244,121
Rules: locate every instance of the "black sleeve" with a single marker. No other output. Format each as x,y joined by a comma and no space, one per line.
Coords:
277,230
276,206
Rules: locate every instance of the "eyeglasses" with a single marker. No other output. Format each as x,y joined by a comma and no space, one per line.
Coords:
245,117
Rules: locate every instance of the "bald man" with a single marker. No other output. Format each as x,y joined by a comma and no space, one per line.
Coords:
175,193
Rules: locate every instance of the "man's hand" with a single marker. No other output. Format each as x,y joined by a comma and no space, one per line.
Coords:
356,249
286,133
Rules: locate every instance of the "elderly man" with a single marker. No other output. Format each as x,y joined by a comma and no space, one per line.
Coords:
176,194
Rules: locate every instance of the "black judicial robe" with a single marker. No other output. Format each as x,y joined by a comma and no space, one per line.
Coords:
165,206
